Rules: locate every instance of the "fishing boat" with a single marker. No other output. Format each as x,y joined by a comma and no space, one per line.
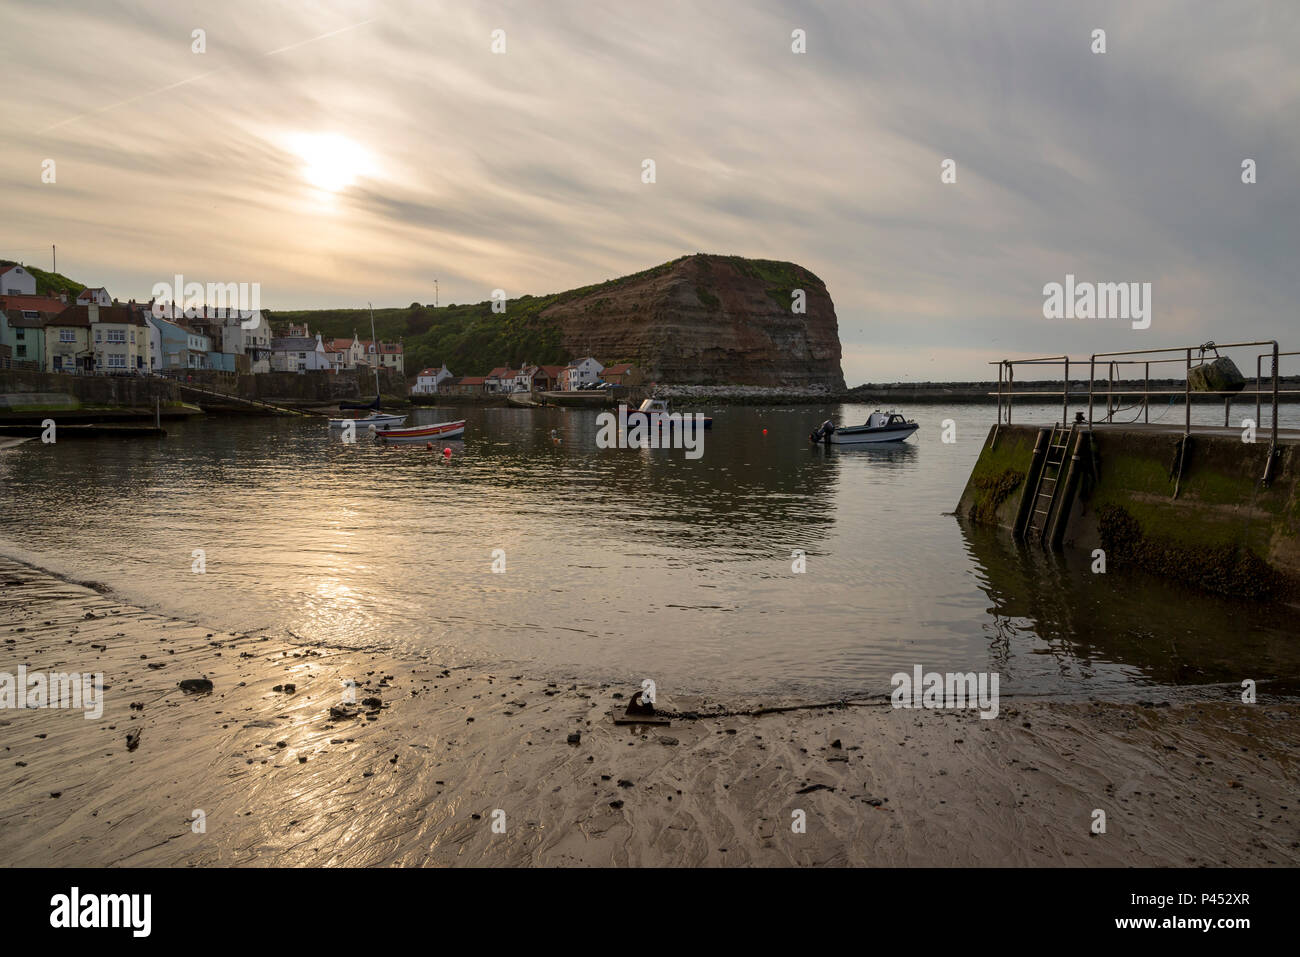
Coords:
375,418
421,433
879,427
653,408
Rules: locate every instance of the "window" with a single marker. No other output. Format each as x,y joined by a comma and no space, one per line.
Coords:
117,362
20,333
67,335
22,351
114,335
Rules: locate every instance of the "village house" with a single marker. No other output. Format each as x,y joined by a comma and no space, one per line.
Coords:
544,378
427,381
250,336
120,338
177,346
500,380
580,373
346,354
98,296
243,337
623,373
16,281
67,341
467,385
299,354
23,331
388,355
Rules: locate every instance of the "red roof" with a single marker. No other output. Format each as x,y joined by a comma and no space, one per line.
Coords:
501,372
471,380
429,371
5,269
619,369
80,316
39,303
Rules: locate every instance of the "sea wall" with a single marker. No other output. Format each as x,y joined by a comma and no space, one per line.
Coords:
307,387
1211,524
107,391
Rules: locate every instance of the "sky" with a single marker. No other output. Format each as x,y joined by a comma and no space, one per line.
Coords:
338,153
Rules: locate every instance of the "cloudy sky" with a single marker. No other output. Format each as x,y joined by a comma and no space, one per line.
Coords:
341,151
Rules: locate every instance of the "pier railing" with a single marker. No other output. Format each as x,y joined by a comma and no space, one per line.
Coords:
1267,384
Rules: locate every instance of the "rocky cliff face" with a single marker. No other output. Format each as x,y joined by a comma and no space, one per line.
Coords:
708,320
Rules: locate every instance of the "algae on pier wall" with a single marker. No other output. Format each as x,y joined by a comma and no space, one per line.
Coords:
1210,523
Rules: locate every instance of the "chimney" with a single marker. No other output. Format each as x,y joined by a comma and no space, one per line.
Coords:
93,311
63,298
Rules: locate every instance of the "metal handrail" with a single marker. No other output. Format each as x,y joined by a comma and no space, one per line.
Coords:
1114,360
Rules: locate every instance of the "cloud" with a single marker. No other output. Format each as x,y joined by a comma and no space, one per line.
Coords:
522,171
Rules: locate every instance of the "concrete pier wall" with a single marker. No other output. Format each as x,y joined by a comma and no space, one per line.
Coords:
1223,532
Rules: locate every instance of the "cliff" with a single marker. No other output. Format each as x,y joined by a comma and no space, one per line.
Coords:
708,320
718,320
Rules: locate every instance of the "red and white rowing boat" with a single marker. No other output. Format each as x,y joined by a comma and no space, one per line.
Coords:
422,433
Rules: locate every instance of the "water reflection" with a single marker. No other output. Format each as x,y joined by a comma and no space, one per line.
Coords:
1159,631
616,562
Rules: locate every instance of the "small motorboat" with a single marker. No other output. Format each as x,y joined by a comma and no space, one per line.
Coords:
365,422
652,408
880,427
421,433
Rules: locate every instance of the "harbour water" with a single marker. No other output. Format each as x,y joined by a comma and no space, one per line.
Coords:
620,563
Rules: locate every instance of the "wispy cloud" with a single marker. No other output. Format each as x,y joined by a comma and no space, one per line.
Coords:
522,170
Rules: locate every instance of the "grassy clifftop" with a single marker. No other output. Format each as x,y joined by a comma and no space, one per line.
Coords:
472,339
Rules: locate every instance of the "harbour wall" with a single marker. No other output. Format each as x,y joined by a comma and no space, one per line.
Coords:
1207,521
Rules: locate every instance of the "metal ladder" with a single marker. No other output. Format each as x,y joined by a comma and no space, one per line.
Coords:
1051,477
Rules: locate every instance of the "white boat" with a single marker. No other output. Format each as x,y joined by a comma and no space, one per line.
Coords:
653,408
374,418
879,427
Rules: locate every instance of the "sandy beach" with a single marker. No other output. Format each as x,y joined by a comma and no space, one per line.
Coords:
420,770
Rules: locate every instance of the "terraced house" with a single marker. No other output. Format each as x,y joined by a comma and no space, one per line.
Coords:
119,337
67,342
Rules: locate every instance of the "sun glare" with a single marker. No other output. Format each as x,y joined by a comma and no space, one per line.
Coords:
331,162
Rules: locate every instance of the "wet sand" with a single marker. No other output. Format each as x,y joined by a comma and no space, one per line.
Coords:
1193,778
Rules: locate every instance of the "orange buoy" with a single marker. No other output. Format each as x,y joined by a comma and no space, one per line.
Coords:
446,453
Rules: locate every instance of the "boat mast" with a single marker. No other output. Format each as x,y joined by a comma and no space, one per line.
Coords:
374,344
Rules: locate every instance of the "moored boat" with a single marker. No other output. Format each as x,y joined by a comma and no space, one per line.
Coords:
421,433
652,409
879,427
365,422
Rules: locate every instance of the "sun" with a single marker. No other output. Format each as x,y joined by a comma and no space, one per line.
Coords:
331,162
